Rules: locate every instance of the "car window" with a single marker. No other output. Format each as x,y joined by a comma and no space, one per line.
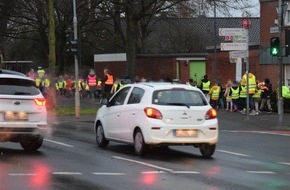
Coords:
12,86
182,96
120,97
136,96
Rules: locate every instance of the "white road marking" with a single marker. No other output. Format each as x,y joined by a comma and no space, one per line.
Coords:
59,143
234,153
260,132
285,163
102,173
153,172
143,163
67,173
21,174
261,172
185,172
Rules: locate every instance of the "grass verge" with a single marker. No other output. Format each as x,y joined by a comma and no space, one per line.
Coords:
70,110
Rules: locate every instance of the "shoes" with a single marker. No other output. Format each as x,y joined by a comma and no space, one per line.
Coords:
270,111
253,113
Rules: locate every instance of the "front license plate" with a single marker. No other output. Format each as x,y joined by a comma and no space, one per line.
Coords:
16,116
185,133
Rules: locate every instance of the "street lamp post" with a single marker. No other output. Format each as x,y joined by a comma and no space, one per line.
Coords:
77,95
215,44
280,98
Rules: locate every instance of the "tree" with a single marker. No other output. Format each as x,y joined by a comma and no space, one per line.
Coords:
136,13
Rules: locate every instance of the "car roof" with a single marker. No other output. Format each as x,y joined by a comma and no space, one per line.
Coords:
5,71
162,85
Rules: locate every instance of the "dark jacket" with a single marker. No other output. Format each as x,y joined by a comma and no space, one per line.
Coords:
266,91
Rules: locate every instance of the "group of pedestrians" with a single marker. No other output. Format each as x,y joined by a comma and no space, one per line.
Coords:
41,79
233,95
90,86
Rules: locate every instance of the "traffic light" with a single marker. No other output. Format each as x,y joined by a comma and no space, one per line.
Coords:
275,46
71,44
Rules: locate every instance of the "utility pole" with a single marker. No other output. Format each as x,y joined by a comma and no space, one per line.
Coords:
77,94
280,98
215,44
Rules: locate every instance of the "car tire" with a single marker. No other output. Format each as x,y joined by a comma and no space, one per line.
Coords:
207,150
100,136
139,145
32,143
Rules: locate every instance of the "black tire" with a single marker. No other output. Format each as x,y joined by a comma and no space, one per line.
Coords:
207,150
100,136
140,147
32,143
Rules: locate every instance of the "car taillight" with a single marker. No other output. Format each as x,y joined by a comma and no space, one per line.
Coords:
211,114
153,113
40,101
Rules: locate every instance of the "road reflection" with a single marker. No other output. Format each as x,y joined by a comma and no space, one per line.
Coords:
41,178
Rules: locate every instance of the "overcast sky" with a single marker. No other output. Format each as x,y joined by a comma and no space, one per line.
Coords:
254,11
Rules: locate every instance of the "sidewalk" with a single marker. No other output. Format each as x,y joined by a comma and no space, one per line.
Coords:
263,121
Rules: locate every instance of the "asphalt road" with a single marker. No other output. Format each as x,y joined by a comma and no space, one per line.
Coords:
252,154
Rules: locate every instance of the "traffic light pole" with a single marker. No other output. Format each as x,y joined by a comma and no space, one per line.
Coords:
280,98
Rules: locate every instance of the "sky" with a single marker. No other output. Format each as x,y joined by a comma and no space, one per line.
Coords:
255,12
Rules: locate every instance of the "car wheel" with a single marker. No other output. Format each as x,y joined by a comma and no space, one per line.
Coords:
207,150
139,145
100,136
32,143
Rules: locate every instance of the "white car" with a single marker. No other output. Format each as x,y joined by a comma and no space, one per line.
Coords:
23,114
158,114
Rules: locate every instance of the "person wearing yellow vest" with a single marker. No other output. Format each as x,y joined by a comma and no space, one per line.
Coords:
38,82
205,86
234,93
117,85
229,101
243,99
45,84
60,85
40,72
214,93
252,89
285,92
109,82
257,99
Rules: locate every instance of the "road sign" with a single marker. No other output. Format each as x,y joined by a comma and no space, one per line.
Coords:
246,23
239,54
274,30
234,46
229,38
232,31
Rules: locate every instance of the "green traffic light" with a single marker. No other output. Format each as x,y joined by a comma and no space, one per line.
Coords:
275,51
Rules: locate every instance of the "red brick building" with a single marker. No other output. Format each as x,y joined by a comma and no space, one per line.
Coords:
261,63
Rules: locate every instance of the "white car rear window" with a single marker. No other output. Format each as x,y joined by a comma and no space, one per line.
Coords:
179,97
13,86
